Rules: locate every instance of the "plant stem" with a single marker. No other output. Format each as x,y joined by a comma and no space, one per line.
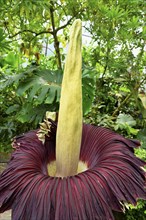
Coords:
127,97
54,33
122,103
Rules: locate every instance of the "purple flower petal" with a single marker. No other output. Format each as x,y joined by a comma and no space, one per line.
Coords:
114,176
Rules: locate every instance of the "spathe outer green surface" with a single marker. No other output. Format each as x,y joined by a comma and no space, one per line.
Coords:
69,129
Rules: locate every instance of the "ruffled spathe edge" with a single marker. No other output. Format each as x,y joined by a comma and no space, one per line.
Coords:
114,177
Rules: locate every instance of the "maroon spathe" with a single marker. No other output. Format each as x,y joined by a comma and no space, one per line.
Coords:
114,176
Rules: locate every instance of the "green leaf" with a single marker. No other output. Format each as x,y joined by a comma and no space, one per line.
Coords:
12,59
31,114
42,95
32,93
143,99
125,119
12,108
4,45
142,137
132,130
45,84
88,81
9,80
51,96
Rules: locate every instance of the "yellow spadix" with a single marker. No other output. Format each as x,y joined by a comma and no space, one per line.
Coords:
69,129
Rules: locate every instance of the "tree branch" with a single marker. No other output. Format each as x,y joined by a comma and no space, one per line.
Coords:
65,25
106,63
54,33
122,103
30,31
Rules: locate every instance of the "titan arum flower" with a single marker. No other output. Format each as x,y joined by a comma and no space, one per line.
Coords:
67,170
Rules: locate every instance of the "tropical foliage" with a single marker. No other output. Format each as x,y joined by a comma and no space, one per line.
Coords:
33,43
